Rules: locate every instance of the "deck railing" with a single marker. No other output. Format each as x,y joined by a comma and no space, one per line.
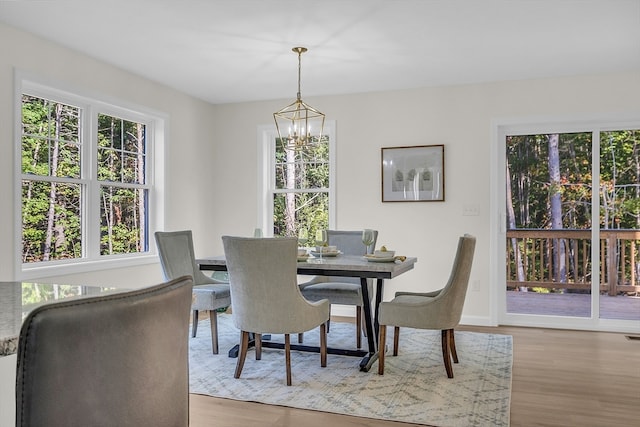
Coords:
561,259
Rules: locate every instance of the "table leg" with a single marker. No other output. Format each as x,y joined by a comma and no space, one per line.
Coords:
233,351
365,363
371,324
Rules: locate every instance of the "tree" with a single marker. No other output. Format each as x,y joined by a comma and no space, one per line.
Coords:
550,186
302,178
52,190
512,225
555,206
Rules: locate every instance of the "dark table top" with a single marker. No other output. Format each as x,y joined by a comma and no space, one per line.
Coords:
341,265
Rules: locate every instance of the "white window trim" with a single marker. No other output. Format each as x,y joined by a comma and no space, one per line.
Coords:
157,126
266,154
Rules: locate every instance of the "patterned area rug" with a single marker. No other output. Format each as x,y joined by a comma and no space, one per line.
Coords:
414,388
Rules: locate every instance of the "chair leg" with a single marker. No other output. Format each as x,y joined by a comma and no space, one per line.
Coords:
258,343
244,346
194,322
382,336
396,340
452,346
446,352
213,317
300,337
323,345
358,326
287,353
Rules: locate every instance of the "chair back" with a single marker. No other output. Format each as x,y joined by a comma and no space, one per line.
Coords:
264,289
112,360
454,292
349,243
177,257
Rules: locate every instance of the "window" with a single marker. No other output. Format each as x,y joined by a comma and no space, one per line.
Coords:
298,186
85,180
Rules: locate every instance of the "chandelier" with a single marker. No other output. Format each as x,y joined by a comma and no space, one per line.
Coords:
299,125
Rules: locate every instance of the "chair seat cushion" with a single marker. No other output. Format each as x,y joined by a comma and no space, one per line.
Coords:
335,292
211,297
409,299
408,311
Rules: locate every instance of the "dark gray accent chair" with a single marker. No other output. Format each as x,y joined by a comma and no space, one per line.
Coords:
266,297
177,258
342,290
440,310
119,359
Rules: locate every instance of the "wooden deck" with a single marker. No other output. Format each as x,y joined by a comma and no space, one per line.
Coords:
576,305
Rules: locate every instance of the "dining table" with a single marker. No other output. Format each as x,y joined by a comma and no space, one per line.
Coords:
343,266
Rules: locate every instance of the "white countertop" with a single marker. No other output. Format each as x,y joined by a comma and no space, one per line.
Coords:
17,299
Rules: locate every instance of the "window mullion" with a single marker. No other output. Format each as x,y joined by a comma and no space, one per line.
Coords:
90,221
300,190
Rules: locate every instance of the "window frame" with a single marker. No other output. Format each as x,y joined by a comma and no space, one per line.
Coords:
91,106
267,135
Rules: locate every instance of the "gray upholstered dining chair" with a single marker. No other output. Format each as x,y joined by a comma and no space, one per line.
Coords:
177,258
440,310
266,297
119,359
342,290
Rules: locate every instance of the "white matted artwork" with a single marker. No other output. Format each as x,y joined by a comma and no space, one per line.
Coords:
413,174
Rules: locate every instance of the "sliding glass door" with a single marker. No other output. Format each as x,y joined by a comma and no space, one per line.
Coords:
570,232
549,224
620,224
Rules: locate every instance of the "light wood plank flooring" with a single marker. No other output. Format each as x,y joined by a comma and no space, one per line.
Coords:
560,378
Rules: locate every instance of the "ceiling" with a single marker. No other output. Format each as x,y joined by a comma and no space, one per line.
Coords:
226,51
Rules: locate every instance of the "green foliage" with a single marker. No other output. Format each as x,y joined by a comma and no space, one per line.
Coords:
619,174
52,221
301,200
527,158
534,191
540,290
38,293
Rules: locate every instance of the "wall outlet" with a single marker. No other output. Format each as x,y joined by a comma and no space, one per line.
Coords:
475,285
471,210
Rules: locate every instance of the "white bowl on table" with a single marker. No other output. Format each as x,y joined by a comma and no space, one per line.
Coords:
384,254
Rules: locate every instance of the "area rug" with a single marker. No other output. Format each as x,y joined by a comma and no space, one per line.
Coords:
414,389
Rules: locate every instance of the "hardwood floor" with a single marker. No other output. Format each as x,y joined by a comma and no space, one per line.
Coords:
560,378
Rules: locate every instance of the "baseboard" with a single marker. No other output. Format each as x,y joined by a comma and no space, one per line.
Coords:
346,314
343,319
477,321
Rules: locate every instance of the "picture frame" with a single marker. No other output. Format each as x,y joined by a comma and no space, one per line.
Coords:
413,173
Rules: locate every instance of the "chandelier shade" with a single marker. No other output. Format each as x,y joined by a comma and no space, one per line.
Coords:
299,125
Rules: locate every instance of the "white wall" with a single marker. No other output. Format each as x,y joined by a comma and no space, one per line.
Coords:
211,156
459,117
189,149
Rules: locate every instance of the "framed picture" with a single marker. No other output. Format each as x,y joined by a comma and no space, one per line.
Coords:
413,174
